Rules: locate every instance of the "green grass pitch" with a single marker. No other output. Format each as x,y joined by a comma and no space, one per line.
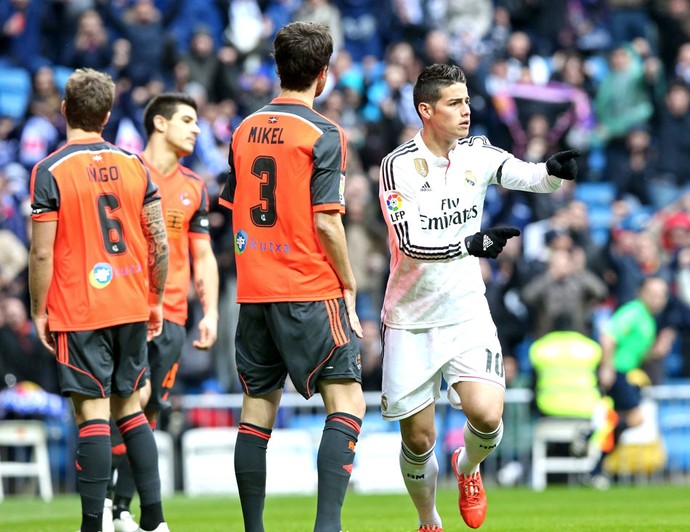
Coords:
627,508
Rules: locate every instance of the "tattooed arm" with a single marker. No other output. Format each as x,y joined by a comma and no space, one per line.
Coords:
153,226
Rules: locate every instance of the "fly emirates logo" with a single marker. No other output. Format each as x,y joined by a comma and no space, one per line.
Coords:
449,214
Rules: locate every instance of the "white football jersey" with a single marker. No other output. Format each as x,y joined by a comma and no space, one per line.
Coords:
430,205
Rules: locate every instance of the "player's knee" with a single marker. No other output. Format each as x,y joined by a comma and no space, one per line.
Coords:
487,421
421,441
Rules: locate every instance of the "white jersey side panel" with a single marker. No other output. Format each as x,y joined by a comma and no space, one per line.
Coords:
430,205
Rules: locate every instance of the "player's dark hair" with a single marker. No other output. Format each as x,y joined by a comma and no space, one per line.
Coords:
165,105
301,51
89,96
433,78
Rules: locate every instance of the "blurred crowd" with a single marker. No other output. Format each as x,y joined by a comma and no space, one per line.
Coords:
608,77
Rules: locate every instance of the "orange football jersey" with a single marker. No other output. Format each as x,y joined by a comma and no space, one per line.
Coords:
96,192
185,209
286,162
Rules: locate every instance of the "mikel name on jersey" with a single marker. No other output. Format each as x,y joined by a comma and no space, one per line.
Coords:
266,135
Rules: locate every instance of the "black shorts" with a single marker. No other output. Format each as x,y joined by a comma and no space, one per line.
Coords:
102,362
624,394
164,358
308,341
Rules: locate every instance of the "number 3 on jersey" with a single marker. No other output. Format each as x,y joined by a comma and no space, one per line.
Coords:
264,214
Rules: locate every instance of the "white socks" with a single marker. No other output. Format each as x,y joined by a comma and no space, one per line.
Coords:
420,473
478,445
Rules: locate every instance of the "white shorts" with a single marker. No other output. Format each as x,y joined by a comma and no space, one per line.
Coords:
415,360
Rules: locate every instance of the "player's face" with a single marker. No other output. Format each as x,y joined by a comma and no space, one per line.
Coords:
450,117
182,130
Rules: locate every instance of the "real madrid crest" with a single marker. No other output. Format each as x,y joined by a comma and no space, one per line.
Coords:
422,167
470,180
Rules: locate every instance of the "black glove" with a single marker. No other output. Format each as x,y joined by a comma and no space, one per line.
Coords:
563,164
489,243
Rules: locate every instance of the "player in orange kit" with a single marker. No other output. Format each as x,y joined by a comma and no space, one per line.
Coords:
170,120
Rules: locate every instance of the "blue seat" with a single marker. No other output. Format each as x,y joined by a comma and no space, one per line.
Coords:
674,424
15,90
601,193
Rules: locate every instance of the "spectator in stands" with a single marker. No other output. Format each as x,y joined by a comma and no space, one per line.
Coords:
629,20
623,99
634,173
46,97
90,46
201,59
227,82
323,12
23,358
674,17
146,28
566,287
682,286
14,259
671,127
634,255
20,33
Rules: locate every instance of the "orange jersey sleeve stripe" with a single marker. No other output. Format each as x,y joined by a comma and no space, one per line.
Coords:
326,207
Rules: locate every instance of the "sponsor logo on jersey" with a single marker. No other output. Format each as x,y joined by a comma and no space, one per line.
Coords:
243,242
240,242
101,275
470,180
449,214
273,120
422,167
426,187
185,199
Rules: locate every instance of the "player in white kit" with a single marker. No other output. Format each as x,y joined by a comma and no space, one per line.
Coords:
435,319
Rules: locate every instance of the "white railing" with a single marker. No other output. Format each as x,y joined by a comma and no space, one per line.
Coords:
511,463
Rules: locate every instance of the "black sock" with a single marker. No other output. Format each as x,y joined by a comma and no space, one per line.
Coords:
119,454
93,470
334,463
91,523
124,489
618,430
250,472
142,454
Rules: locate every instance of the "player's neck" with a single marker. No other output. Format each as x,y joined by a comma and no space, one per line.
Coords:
437,145
162,160
305,96
76,134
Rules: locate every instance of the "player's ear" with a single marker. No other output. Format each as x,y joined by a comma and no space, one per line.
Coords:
159,123
425,110
107,117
